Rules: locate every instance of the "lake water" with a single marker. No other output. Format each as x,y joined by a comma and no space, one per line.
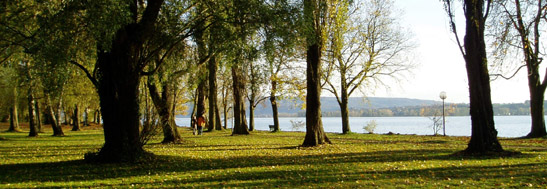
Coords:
507,126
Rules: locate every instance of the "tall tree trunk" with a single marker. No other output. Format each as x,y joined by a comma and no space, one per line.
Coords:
31,115
536,107
38,117
483,133
76,119
201,108
240,125
273,101
315,135
13,120
344,101
86,117
251,114
225,113
212,64
345,113
14,117
531,50
218,125
57,129
163,103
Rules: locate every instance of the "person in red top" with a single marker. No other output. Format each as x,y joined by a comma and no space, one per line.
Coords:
200,124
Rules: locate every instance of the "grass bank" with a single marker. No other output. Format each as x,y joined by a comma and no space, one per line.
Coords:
265,159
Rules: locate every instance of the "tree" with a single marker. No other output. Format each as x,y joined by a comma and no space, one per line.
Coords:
120,65
518,25
10,84
314,17
244,16
483,132
366,45
255,96
280,50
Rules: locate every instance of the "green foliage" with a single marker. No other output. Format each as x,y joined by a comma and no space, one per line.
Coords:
268,160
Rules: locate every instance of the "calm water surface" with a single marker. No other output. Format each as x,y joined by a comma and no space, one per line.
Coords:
507,126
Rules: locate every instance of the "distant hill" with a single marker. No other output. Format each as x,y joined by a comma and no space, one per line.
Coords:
329,104
380,107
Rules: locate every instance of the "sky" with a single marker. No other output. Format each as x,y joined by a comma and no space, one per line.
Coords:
441,65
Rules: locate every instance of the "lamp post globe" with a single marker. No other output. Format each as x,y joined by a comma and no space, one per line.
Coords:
443,96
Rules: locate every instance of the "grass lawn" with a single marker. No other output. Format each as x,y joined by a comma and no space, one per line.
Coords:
265,159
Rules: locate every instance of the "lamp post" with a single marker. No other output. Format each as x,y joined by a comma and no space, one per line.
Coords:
443,96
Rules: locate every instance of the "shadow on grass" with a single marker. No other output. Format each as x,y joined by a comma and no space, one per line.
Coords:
80,171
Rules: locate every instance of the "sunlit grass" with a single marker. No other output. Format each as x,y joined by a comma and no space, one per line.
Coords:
265,159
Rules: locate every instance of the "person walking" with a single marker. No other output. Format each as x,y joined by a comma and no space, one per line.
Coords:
200,124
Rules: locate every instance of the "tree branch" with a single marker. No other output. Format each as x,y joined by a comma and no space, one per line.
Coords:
496,76
89,76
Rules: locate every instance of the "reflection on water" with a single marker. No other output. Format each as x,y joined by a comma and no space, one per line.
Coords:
507,126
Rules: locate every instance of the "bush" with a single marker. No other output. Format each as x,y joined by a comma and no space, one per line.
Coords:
371,126
297,125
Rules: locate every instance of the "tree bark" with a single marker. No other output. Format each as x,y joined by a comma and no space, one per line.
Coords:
536,107
57,129
251,114
201,108
275,114
119,71
163,103
14,118
31,115
315,135
76,119
212,64
38,117
345,113
273,102
483,133
240,125
218,125
86,117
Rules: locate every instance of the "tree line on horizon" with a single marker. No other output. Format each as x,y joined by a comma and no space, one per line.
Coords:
135,64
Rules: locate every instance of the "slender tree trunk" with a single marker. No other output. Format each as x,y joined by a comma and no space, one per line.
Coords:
275,114
240,125
38,117
212,64
345,113
273,101
225,113
344,101
86,117
57,129
14,118
76,119
251,114
31,115
163,103
218,125
483,133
